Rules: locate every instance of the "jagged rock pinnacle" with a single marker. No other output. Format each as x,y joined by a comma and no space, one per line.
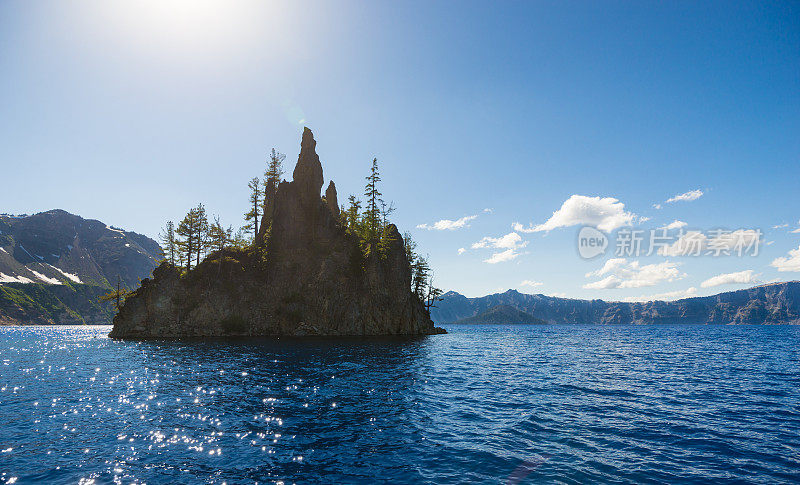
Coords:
330,198
307,173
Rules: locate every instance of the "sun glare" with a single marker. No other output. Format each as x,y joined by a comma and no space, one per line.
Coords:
191,28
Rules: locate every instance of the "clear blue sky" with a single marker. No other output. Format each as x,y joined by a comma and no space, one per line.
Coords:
132,112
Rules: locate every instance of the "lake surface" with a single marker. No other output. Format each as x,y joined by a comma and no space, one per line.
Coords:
492,404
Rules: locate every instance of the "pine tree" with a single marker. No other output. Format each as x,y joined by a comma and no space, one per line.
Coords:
187,243
240,239
411,249
253,216
168,242
219,237
352,215
385,240
419,280
194,231
432,294
202,232
272,177
116,295
372,215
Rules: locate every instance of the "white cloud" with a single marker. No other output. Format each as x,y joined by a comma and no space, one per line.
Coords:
686,196
462,250
502,256
676,224
488,210
605,213
783,226
558,294
447,224
741,277
624,274
510,240
695,243
531,283
656,206
670,295
788,263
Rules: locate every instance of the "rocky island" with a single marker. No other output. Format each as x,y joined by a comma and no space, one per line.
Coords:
305,274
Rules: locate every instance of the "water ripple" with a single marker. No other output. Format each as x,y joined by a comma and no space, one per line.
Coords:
516,404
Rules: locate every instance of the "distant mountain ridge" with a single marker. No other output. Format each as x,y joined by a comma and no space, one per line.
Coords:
54,265
777,303
502,314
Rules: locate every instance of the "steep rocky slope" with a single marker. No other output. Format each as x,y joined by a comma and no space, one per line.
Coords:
777,303
54,265
311,279
502,314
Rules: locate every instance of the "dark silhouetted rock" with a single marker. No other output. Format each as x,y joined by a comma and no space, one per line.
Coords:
312,279
331,200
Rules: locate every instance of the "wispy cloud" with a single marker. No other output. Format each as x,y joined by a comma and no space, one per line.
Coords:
686,196
788,263
605,213
741,277
624,274
531,283
462,250
448,225
670,295
676,224
510,240
502,256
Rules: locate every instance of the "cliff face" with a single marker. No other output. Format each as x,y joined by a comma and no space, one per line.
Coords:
777,303
312,279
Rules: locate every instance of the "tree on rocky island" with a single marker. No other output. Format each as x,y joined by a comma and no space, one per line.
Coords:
168,242
254,214
272,178
117,295
372,214
193,230
219,237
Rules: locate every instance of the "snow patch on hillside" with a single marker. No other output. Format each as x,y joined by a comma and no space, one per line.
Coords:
71,276
14,279
52,281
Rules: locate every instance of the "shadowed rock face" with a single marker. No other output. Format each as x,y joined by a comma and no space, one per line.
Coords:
312,279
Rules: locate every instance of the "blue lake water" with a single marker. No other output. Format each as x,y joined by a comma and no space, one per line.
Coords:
492,404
